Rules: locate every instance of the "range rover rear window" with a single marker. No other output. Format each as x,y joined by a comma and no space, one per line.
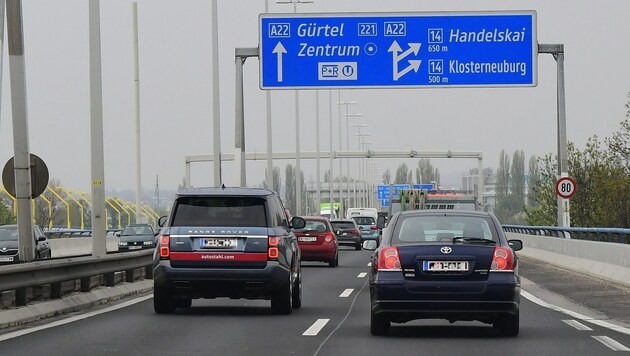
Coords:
220,211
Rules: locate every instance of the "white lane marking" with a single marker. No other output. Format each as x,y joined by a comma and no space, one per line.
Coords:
576,324
369,264
19,333
573,314
612,344
362,275
316,327
346,293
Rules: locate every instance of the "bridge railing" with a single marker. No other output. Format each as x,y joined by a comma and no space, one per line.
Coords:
616,235
70,233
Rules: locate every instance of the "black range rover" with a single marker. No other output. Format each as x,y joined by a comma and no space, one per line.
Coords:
227,242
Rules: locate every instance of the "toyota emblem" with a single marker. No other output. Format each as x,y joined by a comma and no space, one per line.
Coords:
446,249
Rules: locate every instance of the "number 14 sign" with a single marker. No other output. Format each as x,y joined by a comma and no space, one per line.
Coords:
566,187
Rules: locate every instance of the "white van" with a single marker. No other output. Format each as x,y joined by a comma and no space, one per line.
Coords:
362,212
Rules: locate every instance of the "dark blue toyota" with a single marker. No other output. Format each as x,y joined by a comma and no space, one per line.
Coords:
444,264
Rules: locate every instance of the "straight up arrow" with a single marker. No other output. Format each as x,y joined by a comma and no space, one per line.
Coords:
279,50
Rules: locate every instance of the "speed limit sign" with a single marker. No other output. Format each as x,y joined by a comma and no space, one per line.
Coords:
566,187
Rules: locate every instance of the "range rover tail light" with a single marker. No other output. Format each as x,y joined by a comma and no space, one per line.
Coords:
502,260
165,250
272,248
389,259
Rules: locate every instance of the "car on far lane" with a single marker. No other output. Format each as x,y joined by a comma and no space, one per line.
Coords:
318,241
347,232
444,264
368,228
136,237
9,251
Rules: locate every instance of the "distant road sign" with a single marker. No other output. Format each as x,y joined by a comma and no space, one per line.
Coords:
566,187
425,49
383,190
423,186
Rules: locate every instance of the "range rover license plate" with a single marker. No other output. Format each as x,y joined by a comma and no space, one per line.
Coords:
445,266
217,243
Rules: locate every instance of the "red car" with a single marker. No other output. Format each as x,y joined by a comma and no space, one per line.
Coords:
317,241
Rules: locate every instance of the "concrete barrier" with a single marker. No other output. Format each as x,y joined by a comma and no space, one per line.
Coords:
78,246
605,260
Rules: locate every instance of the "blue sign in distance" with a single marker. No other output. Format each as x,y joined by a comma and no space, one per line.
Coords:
383,190
423,186
380,50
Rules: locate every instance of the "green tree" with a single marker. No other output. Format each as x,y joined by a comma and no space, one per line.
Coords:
503,173
289,193
387,177
402,174
277,183
426,173
6,215
533,181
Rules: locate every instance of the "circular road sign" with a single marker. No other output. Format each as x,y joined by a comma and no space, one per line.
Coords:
39,176
566,187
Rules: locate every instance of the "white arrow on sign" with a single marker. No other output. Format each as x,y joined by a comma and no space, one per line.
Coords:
414,64
279,50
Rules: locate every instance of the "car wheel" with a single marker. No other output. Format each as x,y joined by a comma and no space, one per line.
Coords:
335,261
281,301
508,325
297,292
163,302
183,303
378,324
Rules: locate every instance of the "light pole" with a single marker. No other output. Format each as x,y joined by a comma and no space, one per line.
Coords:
298,175
346,103
360,136
348,116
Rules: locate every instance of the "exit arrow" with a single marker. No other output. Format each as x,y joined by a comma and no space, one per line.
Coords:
279,50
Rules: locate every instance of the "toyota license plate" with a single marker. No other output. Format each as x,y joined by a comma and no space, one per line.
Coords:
217,243
307,238
6,259
445,266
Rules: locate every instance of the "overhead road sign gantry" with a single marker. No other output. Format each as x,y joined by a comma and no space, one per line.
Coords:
382,50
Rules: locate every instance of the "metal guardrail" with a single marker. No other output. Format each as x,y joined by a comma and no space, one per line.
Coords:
70,233
19,277
616,235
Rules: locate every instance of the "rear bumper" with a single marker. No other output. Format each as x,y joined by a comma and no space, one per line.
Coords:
395,301
349,240
249,283
324,252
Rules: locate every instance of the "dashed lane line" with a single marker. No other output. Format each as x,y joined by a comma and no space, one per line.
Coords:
573,314
362,275
316,327
611,343
576,324
346,293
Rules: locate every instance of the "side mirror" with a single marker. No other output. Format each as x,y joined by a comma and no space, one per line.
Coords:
117,233
41,238
370,245
297,222
516,245
162,221
380,222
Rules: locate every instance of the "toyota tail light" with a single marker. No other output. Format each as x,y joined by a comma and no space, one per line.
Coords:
389,259
165,250
272,248
502,260
329,237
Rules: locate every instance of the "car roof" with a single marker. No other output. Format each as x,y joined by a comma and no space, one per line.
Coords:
227,191
342,220
445,212
316,218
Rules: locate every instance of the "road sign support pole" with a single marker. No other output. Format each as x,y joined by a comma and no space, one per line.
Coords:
99,220
22,162
557,50
241,54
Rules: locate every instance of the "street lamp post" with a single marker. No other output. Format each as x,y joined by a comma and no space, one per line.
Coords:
348,116
298,175
346,103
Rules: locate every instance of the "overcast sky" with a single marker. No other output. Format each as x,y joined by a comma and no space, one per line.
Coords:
176,89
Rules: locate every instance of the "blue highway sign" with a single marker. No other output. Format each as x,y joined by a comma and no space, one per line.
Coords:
383,190
423,186
380,50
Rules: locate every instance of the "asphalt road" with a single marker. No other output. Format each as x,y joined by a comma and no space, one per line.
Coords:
336,299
